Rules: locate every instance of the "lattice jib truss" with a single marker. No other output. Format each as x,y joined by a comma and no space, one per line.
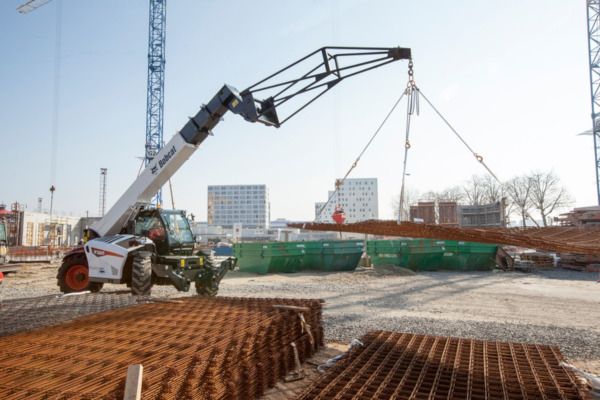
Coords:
156,83
593,15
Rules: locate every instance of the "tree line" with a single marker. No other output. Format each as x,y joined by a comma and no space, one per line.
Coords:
539,192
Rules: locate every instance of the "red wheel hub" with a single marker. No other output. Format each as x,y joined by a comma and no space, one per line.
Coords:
77,277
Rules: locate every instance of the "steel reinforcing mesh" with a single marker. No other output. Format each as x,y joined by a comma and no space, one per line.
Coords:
200,348
394,365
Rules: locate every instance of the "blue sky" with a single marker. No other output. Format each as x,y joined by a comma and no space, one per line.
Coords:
513,79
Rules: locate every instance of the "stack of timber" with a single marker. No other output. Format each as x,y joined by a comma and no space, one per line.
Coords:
585,218
579,262
538,260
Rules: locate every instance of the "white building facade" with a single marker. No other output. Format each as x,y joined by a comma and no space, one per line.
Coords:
245,204
358,197
37,229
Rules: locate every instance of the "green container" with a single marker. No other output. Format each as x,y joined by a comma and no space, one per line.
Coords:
264,257
333,255
477,256
431,254
269,257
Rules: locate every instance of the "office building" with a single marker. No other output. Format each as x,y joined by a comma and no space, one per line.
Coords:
245,204
358,198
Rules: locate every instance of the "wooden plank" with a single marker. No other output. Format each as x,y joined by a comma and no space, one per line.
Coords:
4,268
133,384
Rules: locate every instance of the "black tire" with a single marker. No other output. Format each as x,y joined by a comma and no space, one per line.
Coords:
207,290
73,276
141,274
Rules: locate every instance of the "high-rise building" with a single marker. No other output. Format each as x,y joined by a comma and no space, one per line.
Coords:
358,198
246,204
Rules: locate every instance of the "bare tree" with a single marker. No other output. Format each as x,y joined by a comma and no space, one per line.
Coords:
454,193
474,190
411,197
493,191
519,190
547,193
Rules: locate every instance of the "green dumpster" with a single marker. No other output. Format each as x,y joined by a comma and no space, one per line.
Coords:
333,255
267,257
477,256
431,254
264,257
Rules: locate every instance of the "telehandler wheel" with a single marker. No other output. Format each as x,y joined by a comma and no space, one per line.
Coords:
207,290
73,276
141,274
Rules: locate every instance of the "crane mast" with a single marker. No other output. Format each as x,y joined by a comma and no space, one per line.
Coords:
156,83
593,17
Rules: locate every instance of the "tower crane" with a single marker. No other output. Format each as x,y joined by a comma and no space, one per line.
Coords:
156,78
593,18
31,5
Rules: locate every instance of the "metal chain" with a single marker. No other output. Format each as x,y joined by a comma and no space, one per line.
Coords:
412,91
411,86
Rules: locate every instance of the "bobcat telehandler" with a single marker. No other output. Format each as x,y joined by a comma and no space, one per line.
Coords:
141,246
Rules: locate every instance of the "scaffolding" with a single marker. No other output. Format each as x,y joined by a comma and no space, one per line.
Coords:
57,232
483,216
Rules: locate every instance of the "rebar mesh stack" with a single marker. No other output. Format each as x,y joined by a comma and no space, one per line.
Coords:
408,366
558,239
24,315
201,348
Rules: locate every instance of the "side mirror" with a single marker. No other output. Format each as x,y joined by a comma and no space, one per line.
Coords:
131,227
197,239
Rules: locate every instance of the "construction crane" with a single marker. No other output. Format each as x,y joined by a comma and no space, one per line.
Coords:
156,84
593,18
31,5
102,202
156,78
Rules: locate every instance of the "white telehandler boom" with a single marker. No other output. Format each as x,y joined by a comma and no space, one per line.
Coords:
141,246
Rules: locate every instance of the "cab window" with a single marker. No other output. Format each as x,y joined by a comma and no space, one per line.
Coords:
178,227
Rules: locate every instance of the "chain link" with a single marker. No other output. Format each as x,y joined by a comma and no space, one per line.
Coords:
411,86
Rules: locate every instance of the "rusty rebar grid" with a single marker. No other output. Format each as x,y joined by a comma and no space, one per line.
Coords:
201,348
407,366
558,239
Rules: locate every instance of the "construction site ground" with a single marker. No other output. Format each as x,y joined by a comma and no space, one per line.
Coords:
555,306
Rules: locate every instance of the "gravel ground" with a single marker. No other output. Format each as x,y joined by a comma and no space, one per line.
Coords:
558,307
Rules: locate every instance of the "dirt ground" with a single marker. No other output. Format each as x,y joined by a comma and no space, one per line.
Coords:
564,301
563,305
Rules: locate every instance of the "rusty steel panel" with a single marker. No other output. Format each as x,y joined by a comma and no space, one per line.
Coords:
425,210
448,214
394,365
556,239
199,348
413,213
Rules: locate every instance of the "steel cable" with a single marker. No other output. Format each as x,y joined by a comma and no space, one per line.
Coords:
337,186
